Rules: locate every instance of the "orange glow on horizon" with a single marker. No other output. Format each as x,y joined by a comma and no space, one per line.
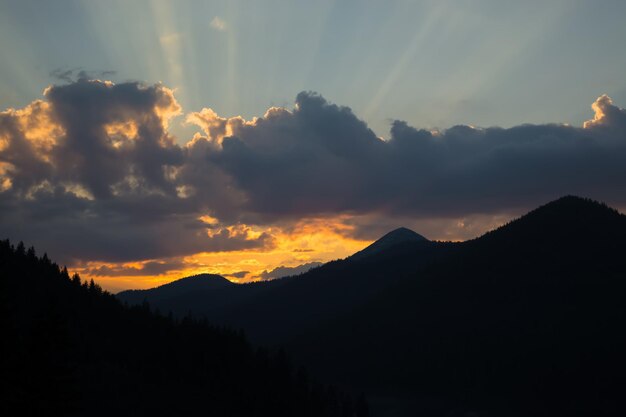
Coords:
317,240
289,245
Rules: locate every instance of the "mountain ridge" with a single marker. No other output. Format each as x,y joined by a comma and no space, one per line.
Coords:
199,282
517,320
523,318
399,236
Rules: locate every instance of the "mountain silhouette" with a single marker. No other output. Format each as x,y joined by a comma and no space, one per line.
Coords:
525,320
397,237
195,283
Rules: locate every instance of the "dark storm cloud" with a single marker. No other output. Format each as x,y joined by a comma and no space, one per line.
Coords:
317,159
92,171
90,152
73,228
321,159
96,135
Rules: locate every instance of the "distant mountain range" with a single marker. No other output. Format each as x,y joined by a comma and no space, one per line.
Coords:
526,320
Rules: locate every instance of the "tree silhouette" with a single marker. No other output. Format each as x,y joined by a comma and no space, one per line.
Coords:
70,348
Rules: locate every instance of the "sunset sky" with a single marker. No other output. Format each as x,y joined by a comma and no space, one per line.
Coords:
142,141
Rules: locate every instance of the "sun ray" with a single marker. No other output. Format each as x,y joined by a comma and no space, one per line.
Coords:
491,60
130,40
420,37
21,69
171,39
232,72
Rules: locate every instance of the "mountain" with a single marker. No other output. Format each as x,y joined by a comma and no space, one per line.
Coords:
69,348
395,238
526,320
195,283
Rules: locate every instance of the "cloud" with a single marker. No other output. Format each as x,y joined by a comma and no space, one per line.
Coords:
238,274
60,74
75,74
320,158
606,115
92,172
284,271
218,24
151,268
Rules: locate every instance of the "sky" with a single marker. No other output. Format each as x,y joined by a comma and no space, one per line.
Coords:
148,140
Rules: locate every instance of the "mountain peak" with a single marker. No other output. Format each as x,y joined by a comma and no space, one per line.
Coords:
194,283
198,282
577,201
201,279
399,236
572,208
567,220
402,233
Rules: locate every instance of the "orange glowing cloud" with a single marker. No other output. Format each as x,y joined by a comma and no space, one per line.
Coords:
313,240
216,128
606,114
38,126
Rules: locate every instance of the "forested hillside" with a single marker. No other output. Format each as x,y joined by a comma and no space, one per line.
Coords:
526,320
70,348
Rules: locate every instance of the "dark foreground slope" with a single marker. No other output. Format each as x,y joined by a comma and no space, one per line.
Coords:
68,348
527,320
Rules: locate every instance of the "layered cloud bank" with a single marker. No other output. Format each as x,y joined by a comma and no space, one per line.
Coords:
93,171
